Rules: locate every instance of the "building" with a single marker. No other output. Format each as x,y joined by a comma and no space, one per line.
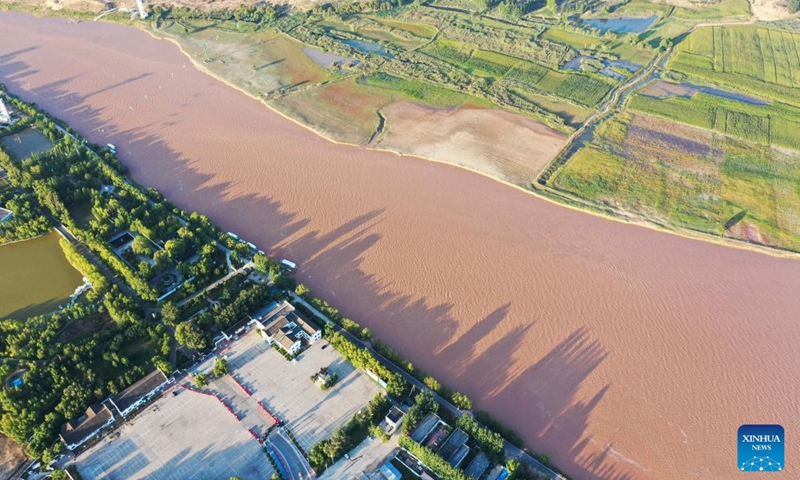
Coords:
390,472
425,427
454,450
281,325
394,419
5,117
139,393
77,432
477,466
498,473
5,215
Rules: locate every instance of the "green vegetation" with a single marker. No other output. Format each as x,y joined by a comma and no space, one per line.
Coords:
347,437
424,403
489,441
758,60
688,178
436,463
221,368
362,358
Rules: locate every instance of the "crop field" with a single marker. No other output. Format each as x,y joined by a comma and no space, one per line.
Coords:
685,177
753,59
419,91
776,124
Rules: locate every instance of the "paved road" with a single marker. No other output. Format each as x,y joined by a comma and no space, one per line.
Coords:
298,466
511,451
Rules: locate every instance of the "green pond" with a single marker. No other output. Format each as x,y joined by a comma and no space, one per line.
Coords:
35,277
27,142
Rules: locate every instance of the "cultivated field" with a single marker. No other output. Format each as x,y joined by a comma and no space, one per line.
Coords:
690,178
758,60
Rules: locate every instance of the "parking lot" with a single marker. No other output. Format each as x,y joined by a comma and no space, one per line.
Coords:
188,436
285,387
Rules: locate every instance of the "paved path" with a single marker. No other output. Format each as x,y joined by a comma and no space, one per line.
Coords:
298,466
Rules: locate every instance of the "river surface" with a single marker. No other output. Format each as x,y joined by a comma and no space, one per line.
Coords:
35,277
622,352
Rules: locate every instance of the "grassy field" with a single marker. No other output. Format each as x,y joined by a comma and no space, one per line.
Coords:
690,178
758,60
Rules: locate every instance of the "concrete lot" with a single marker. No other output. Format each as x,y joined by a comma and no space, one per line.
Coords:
183,437
366,457
285,388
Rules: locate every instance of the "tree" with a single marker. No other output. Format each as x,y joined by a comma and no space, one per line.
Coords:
794,6
170,313
262,263
461,401
201,380
423,404
141,246
188,334
221,368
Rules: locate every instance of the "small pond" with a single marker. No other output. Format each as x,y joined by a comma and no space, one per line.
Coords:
26,143
575,64
368,47
622,24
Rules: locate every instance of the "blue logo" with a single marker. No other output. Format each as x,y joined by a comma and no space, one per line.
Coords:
761,448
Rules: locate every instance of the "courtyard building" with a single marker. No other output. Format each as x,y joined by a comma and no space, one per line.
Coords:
281,325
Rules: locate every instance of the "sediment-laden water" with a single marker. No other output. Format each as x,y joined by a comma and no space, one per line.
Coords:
619,351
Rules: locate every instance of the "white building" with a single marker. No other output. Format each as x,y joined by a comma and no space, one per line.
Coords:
282,326
5,117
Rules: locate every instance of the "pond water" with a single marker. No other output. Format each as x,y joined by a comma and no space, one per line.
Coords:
368,47
26,143
687,90
35,278
327,59
575,64
622,24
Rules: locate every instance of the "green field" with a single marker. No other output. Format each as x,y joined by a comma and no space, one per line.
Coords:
776,124
687,178
758,60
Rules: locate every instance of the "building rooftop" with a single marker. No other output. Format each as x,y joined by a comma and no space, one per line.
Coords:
138,390
78,430
395,414
451,446
309,327
390,472
425,427
477,466
5,213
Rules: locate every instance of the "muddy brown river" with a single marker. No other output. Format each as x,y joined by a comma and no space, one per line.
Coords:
621,352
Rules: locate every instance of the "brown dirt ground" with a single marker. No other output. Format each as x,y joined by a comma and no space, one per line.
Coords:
12,457
498,143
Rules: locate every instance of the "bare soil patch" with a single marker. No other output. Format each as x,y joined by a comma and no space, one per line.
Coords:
498,143
12,457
